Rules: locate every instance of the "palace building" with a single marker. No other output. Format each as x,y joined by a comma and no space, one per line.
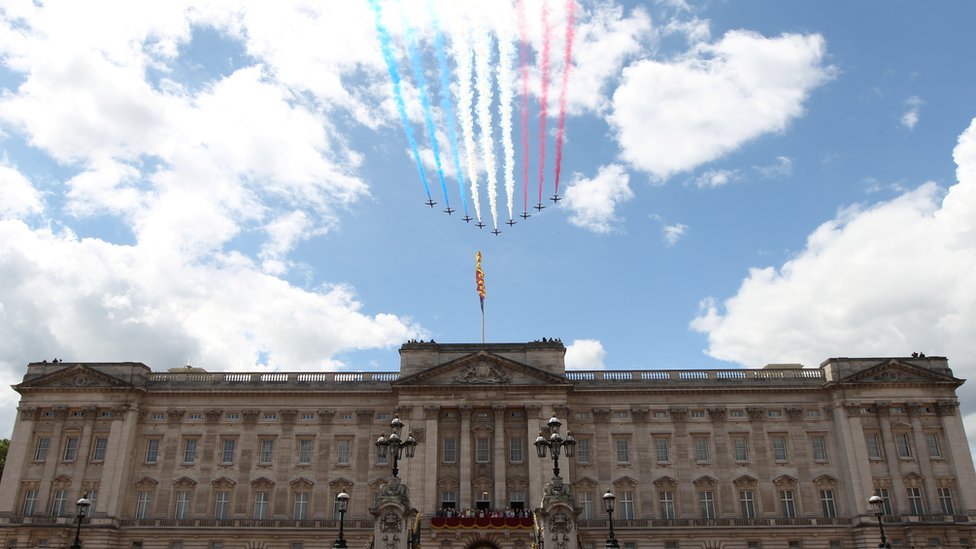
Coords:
780,457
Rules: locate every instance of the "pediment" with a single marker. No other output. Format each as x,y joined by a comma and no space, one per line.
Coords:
262,482
77,376
480,369
896,371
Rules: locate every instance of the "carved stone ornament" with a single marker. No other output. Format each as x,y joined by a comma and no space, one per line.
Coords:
391,523
213,416
640,414
174,416
946,408
717,414
250,416
29,414
556,491
756,413
794,413
482,373
288,416
601,415
678,414
393,492
560,527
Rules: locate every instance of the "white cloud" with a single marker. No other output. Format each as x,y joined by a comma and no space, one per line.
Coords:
672,233
671,117
893,278
782,167
715,178
585,354
910,118
593,202
17,196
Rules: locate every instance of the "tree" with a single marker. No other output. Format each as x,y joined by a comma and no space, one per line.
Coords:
4,444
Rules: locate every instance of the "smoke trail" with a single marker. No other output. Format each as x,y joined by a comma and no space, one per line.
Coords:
506,80
446,105
391,67
462,58
482,59
417,63
567,63
544,100
524,70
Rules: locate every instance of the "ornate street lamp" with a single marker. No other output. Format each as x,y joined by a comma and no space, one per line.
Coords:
608,501
83,505
342,505
878,503
396,445
554,444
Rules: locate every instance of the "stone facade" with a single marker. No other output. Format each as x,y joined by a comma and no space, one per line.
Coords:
770,458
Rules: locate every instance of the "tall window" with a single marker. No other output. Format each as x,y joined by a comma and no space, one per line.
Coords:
342,451
152,450
935,449
449,453
586,505
626,505
182,504
945,500
227,451
70,448
873,441
819,444
93,498
481,455
583,450
904,445
741,448
915,501
260,505
623,450
304,451
57,504
99,448
267,451
885,496
666,504
190,450
448,499
701,449
301,506
516,450
827,503
40,449
779,448
221,504
663,452
747,504
142,505
787,504
706,504
30,503
382,458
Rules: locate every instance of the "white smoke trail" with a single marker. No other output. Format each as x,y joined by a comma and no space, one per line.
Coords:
461,49
482,73
506,81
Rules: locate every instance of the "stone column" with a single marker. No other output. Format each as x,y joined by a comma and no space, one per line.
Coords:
727,501
113,490
957,452
852,456
464,459
20,453
431,457
892,460
54,455
924,463
499,459
532,425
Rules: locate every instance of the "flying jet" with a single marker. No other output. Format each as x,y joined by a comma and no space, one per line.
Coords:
480,225
467,219
525,215
539,206
449,210
430,202
511,222
556,198
496,232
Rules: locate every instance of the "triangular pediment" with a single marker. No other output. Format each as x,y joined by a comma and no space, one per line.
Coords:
75,376
897,371
480,369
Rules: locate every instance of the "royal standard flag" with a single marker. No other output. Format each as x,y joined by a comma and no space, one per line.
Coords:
479,278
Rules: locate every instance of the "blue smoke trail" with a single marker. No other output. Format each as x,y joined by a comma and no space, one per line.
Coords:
418,74
384,37
446,105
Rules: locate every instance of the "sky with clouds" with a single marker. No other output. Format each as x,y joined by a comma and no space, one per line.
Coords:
231,185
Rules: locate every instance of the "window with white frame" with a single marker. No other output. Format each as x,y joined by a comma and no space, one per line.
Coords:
58,502
787,504
706,504
99,447
221,504
904,444
516,450
623,450
30,503
41,448
873,441
448,499
70,449
701,449
152,450
779,448
827,507
266,453
301,506
665,500
449,450
261,505
304,451
885,496
143,500
182,510
343,447
945,501
935,449
583,450
189,450
382,457
747,504
915,503
227,450
482,453
819,444
662,449
586,505
741,448
626,505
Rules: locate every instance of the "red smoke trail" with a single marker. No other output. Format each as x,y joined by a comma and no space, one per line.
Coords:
543,108
567,63
524,70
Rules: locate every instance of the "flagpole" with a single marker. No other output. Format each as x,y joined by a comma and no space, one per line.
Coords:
482,325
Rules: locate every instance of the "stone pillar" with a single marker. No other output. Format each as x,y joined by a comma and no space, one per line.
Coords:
899,500
431,457
499,459
20,452
54,455
852,456
464,459
112,490
556,518
532,424
924,463
396,521
957,452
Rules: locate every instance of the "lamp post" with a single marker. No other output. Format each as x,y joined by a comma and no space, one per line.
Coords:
83,505
554,444
608,501
342,505
396,445
878,503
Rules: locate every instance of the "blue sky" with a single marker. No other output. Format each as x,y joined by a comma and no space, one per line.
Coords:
744,183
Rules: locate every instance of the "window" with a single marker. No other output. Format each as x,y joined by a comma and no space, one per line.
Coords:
152,450
626,505
30,502
697,414
583,450
342,451
227,452
382,458
737,413
70,448
142,505
586,505
301,506
819,444
449,450
448,499
99,448
935,449
182,505
774,413
827,503
260,505
663,453
706,504
945,501
915,501
270,416
885,500
40,449
93,498
297,545
904,445
304,451
660,414
747,504
666,501
787,504
873,441
189,450
481,447
216,545
779,448
221,504
310,416
232,416
516,450
57,504
266,454
813,413
741,448
517,499
623,450
701,449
